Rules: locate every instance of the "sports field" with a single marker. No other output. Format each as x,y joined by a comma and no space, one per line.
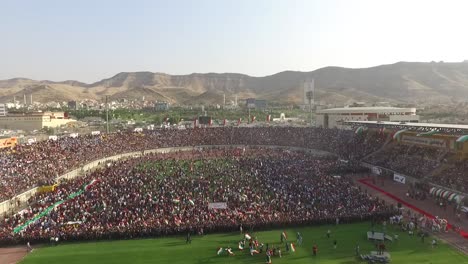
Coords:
174,250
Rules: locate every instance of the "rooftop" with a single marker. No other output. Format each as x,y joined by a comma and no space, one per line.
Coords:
449,128
367,109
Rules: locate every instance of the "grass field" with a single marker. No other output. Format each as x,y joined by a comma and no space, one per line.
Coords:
203,249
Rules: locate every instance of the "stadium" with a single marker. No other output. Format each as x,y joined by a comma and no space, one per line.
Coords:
238,195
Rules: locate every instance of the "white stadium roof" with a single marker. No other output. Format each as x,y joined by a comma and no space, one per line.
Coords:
373,109
449,128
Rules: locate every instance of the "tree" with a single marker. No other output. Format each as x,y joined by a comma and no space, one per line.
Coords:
49,130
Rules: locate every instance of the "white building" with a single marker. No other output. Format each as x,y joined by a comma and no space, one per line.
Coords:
161,106
3,110
332,118
34,121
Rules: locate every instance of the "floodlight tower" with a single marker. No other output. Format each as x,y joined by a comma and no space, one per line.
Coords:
309,88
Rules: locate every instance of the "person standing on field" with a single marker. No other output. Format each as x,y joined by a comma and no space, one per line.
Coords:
188,239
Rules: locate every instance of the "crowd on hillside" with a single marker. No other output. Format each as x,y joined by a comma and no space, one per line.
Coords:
165,194
411,160
40,163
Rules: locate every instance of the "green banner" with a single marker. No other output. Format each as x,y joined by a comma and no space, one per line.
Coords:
50,208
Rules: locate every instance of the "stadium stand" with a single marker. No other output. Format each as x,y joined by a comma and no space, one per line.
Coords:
126,200
27,166
166,194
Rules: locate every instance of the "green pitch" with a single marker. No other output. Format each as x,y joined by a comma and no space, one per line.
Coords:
203,249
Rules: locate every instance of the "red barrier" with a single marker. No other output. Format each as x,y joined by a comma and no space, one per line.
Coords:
463,233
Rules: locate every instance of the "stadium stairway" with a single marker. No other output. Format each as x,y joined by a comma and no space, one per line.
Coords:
443,155
388,140
437,171
446,160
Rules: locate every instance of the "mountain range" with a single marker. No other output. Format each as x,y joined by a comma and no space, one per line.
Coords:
402,82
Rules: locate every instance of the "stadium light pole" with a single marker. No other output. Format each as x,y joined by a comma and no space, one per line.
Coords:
310,95
107,116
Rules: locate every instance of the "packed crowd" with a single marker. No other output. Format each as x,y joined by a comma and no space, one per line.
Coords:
170,193
411,160
455,176
27,166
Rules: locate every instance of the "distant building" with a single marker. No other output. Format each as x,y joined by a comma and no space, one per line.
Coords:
161,106
250,102
255,103
33,121
3,110
260,104
72,105
332,118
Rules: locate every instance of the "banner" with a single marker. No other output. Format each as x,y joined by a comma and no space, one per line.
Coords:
52,207
426,141
46,189
95,133
376,170
399,178
73,223
217,205
74,135
31,140
54,138
8,142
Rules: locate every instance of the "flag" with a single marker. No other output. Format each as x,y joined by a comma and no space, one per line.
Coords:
224,122
191,202
52,207
239,121
359,130
253,118
93,182
285,236
220,251
248,237
73,223
211,121
176,201
253,251
293,248
397,135
268,119
430,133
373,209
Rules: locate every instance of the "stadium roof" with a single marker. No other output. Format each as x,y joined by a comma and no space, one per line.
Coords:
373,109
447,128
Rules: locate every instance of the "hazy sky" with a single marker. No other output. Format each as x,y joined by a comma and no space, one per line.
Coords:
89,40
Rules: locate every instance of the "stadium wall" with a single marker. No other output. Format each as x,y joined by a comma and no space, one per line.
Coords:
17,201
379,171
385,171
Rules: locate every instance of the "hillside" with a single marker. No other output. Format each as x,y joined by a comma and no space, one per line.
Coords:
405,82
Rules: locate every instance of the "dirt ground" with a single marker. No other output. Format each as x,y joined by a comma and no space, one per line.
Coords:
12,255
